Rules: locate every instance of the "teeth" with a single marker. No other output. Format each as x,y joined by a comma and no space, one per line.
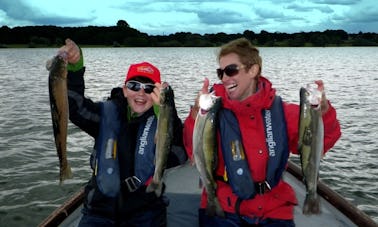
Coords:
139,100
232,86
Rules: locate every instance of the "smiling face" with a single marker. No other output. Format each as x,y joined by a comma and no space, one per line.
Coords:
241,85
139,101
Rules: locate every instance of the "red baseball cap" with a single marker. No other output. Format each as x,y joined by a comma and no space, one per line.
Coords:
143,69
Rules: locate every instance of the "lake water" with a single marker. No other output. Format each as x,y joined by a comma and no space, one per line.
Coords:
29,185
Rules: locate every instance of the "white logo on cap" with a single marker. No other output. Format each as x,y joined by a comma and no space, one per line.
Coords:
145,69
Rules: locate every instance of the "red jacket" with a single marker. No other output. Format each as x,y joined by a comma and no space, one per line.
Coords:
280,201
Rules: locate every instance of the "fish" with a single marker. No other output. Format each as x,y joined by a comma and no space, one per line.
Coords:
310,145
164,137
57,67
205,149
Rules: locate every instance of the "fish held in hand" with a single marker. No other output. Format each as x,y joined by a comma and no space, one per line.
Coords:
310,145
205,149
164,136
57,68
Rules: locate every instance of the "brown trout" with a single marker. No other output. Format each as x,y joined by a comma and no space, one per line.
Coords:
57,68
164,136
310,145
205,149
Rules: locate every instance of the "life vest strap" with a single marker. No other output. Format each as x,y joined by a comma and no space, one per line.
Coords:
133,183
260,187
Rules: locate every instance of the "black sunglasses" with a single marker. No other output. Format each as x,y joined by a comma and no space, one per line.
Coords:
230,70
136,86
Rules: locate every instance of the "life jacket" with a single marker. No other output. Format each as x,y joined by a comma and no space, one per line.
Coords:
107,162
238,171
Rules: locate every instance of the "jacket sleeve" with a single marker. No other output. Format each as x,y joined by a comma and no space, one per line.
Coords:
83,112
332,131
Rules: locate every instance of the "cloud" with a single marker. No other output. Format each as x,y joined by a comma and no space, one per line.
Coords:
336,2
367,14
303,8
196,16
219,17
269,13
17,10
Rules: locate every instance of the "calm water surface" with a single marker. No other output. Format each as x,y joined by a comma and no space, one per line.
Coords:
29,186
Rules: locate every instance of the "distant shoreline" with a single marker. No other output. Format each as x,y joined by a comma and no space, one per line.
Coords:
124,36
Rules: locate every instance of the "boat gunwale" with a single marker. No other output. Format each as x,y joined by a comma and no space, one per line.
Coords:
348,209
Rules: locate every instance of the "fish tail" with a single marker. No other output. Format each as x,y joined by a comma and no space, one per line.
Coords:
311,204
218,209
214,209
156,187
65,173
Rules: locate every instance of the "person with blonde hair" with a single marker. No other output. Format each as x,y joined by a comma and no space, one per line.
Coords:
267,128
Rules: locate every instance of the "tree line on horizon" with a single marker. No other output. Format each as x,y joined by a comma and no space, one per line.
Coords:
122,35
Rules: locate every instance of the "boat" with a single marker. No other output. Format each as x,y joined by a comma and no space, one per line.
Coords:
184,198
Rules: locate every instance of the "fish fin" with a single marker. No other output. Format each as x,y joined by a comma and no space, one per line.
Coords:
65,174
311,205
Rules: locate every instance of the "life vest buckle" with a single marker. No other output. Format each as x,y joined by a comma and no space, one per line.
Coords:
262,187
132,183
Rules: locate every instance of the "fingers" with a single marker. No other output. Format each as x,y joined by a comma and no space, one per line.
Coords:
204,90
72,51
324,102
155,95
205,86
320,85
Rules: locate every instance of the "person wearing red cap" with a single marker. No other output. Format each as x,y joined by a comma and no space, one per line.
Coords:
124,129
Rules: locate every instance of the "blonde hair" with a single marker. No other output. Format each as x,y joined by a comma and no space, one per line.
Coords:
248,54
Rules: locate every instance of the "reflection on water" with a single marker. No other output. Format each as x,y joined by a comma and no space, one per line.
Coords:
29,166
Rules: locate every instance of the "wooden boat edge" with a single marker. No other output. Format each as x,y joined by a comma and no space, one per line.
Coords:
357,216
62,212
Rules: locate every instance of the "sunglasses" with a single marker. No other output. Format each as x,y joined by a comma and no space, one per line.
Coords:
136,86
229,70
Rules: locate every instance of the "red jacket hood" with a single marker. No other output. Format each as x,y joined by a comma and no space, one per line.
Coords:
262,99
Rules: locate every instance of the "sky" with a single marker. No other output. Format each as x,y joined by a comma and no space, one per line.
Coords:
164,17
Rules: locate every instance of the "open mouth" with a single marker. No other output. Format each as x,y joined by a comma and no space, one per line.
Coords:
140,101
231,86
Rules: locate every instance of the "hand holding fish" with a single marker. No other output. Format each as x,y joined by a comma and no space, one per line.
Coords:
72,50
324,102
204,90
155,95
